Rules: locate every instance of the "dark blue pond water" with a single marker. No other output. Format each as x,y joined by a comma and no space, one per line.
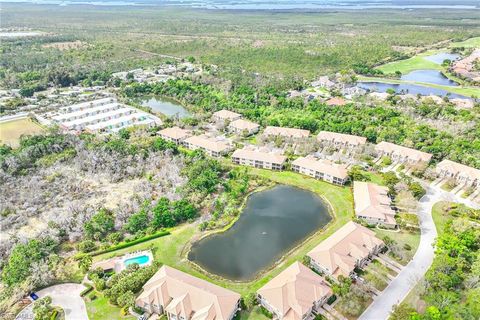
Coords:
440,57
429,76
272,223
406,88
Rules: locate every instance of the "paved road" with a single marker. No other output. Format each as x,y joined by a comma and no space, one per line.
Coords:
399,288
66,296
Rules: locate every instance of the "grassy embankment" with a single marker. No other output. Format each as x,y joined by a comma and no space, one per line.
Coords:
11,131
171,250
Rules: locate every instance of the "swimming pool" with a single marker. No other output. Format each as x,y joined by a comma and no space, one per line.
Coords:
140,260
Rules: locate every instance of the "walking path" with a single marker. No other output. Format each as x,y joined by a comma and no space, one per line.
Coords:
399,288
66,296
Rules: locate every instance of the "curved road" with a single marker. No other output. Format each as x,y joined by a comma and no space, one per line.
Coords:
399,288
66,296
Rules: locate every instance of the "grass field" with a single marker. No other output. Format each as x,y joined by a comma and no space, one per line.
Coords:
11,131
172,249
417,62
470,43
402,238
440,216
100,308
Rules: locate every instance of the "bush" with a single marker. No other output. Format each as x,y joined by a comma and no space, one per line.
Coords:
266,313
54,315
87,290
92,296
406,246
128,243
86,246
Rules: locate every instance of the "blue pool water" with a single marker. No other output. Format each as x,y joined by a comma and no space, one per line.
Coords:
140,260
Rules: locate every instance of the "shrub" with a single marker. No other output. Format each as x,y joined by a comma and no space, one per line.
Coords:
266,313
87,290
128,243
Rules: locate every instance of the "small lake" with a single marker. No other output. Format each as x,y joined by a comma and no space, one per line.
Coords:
168,107
429,76
272,222
406,88
440,57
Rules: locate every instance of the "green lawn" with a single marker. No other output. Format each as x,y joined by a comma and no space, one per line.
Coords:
469,43
417,62
100,308
254,314
172,249
402,238
440,216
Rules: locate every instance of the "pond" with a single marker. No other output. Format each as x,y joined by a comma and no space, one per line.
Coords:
429,76
272,223
442,56
406,88
168,107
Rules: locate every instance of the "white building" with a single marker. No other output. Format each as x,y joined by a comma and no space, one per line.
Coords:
321,169
259,159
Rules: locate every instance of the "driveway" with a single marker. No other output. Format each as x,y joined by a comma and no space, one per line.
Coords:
399,288
66,296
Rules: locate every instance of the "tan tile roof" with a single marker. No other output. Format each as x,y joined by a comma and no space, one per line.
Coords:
372,201
294,291
341,138
456,168
208,144
259,156
410,153
184,294
286,132
339,252
226,115
336,101
325,166
241,124
174,133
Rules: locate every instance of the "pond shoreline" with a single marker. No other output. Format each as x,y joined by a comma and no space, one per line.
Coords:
277,262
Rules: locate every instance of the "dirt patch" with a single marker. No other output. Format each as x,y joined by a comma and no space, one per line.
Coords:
11,131
68,45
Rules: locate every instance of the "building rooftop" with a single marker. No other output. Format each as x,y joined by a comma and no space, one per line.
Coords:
226,115
372,201
86,111
458,168
410,153
87,104
207,143
259,156
98,117
340,252
294,291
241,124
286,132
325,166
174,133
341,138
188,296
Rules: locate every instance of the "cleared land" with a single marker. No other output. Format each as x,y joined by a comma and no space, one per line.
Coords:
172,249
11,131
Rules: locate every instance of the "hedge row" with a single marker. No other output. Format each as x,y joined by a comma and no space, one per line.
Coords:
130,243
54,315
87,290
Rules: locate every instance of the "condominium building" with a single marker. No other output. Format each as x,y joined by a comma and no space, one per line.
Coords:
321,169
290,133
352,246
402,154
295,294
259,159
461,173
243,127
211,146
181,296
226,115
341,140
373,204
175,134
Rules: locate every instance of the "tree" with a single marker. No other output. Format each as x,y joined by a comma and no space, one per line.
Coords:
85,263
42,308
250,300
162,214
417,190
87,246
137,222
126,299
100,225
357,174
183,210
343,286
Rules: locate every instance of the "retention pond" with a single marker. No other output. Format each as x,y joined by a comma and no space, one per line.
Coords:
273,222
